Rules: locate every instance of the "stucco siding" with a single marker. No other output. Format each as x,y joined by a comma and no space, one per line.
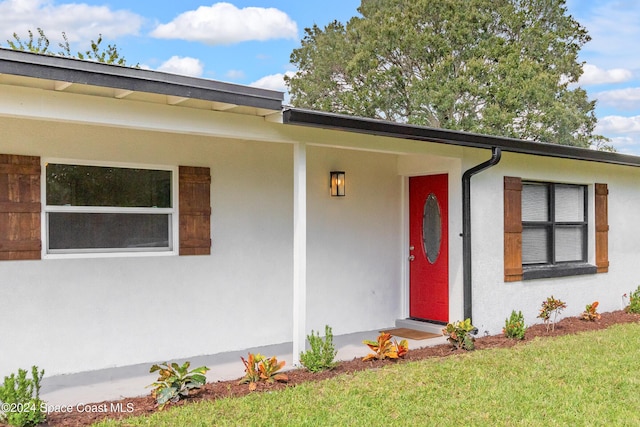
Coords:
493,299
84,314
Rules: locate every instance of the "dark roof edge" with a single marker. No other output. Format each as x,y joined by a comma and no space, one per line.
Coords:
135,79
299,116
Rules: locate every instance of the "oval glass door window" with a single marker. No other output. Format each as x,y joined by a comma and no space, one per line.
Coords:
432,228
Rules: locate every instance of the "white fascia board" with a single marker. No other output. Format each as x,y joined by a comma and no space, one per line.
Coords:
27,103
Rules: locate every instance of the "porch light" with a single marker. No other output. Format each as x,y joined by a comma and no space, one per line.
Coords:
337,183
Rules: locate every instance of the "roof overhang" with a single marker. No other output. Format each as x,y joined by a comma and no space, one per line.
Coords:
69,73
297,116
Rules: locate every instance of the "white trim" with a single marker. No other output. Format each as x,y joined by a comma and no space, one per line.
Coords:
173,212
404,229
299,250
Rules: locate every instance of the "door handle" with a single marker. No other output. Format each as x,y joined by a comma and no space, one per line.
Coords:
412,257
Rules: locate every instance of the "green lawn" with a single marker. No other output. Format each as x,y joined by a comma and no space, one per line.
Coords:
590,379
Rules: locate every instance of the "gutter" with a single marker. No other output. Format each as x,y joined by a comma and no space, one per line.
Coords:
466,227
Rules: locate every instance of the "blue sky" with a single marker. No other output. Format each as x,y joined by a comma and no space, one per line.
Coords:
249,42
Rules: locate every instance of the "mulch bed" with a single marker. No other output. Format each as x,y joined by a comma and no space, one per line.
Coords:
221,389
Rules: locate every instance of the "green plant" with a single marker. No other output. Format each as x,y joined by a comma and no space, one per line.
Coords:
459,334
322,353
634,301
551,306
175,381
514,326
591,312
20,403
261,368
383,348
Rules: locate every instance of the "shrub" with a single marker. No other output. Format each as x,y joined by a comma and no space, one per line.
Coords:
261,368
383,348
514,326
591,312
322,353
634,302
551,306
20,399
459,334
175,381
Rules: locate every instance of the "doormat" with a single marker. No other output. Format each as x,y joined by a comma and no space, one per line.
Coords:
411,334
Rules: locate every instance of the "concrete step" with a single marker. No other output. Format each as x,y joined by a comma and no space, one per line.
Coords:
419,325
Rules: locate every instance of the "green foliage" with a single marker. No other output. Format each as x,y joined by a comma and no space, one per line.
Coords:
261,368
459,334
384,348
590,379
634,301
551,307
20,399
514,326
591,312
499,67
322,353
175,381
40,45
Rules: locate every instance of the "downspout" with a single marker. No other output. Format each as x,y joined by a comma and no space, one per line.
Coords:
466,228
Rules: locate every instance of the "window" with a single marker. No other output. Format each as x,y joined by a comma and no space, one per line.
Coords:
102,209
546,230
554,224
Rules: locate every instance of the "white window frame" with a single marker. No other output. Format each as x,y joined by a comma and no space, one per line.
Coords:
109,253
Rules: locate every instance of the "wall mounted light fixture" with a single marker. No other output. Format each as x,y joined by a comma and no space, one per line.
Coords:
337,183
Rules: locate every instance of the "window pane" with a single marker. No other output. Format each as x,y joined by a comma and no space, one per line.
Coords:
108,231
569,243
535,202
75,185
432,228
534,245
569,203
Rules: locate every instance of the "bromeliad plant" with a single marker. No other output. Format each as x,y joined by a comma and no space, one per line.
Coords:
322,353
261,368
384,348
459,334
551,307
514,326
175,381
591,312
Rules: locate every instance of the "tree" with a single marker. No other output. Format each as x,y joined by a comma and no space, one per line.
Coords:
40,45
499,67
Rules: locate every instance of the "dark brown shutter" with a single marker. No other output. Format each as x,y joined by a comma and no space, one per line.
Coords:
195,210
19,207
512,229
602,228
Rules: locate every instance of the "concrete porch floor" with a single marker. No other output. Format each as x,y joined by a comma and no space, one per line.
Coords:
131,381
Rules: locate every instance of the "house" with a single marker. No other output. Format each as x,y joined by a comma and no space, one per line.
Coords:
148,217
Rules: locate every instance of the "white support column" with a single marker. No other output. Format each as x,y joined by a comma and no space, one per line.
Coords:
299,249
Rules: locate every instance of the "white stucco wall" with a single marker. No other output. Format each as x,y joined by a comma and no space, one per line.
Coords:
493,299
354,242
71,315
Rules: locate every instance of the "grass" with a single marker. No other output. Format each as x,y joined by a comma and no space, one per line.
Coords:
586,379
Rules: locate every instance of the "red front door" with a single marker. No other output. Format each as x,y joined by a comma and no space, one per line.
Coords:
429,248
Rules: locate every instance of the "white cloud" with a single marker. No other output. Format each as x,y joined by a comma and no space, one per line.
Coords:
81,22
624,132
273,82
593,75
618,125
223,23
182,65
626,99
